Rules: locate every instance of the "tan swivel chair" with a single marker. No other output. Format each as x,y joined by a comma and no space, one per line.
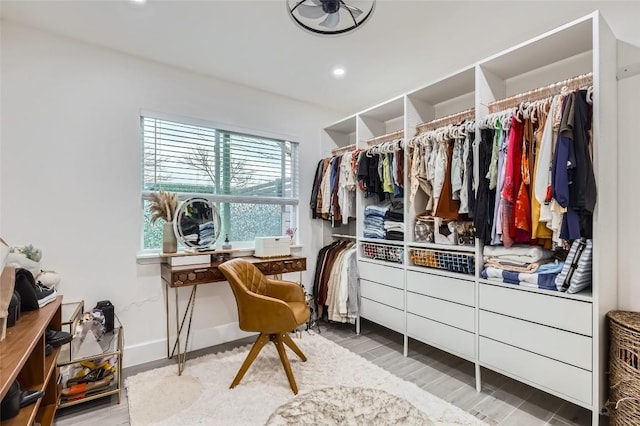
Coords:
271,307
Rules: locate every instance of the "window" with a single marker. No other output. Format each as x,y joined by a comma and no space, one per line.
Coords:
253,180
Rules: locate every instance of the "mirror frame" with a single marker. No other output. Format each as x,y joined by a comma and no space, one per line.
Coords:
181,236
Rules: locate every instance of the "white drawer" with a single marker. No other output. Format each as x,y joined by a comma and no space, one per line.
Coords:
554,311
381,274
382,314
542,372
572,348
382,293
452,289
454,314
450,339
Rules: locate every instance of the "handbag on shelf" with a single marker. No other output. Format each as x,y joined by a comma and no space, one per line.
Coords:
424,228
576,273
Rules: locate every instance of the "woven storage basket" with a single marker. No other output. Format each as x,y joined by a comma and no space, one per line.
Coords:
624,367
383,252
444,259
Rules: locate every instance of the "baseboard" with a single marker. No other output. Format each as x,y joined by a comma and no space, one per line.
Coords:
199,339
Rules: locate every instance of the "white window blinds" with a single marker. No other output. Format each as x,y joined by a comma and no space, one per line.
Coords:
192,159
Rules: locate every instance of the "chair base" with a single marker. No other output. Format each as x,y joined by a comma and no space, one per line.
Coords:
279,339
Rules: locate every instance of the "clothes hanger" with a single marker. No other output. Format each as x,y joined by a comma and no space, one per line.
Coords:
590,95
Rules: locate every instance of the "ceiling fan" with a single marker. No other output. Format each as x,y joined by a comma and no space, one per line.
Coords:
330,17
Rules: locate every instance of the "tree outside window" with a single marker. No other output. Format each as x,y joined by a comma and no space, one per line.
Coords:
251,179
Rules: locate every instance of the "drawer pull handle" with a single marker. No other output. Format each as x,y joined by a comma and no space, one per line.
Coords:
200,270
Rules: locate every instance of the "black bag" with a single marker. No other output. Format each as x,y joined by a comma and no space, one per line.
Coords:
108,311
26,287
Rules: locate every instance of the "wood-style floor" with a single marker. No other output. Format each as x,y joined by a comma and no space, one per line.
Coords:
502,401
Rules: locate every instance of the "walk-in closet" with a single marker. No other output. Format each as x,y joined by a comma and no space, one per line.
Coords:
431,285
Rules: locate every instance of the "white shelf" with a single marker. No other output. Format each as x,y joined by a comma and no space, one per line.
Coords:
382,241
440,272
448,247
583,296
385,111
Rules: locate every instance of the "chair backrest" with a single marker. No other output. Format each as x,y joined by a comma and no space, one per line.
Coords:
244,279
244,276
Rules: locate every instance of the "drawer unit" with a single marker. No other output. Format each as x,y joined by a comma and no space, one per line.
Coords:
451,339
451,289
559,312
383,274
554,376
287,265
382,293
190,275
460,316
571,348
382,314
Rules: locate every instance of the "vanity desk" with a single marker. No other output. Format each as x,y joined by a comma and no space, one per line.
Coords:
192,275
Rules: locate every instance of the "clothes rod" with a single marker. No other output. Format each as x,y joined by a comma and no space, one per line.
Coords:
343,149
573,83
385,138
468,114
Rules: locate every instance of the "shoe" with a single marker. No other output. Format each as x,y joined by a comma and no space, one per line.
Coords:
91,376
85,388
47,349
29,397
45,295
26,287
57,338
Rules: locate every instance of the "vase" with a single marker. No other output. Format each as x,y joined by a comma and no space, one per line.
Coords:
169,240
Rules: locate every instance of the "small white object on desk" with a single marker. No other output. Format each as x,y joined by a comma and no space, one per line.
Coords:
191,259
272,246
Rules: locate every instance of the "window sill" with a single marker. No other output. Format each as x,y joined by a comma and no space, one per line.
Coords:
151,258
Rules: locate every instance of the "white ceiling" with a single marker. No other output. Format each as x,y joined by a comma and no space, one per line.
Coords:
405,44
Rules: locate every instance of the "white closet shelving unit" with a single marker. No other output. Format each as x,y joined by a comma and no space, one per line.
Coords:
382,290
338,135
552,341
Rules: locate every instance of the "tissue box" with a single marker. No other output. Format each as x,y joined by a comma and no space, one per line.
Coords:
272,246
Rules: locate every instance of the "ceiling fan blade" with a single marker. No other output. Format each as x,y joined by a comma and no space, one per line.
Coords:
311,12
316,2
354,10
331,20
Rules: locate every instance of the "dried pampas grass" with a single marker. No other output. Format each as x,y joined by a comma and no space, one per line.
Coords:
163,206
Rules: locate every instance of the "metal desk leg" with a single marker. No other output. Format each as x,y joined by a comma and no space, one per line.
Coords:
178,350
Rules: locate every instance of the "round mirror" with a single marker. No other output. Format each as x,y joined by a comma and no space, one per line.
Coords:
197,223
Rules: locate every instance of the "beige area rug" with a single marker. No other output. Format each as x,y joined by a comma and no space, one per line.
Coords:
336,387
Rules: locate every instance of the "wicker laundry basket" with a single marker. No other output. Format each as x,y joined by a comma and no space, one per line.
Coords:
624,366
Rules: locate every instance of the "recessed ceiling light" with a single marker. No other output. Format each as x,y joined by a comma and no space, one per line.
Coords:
139,1
339,72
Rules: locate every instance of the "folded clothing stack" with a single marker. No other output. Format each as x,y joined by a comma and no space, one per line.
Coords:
394,225
374,221
525,265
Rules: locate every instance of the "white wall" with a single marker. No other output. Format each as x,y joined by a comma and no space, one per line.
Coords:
71,171
628,160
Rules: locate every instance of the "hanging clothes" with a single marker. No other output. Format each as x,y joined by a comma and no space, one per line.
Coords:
483,215
446,206
336,275
539,229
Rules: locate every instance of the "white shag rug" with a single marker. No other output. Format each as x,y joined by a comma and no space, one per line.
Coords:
201,396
